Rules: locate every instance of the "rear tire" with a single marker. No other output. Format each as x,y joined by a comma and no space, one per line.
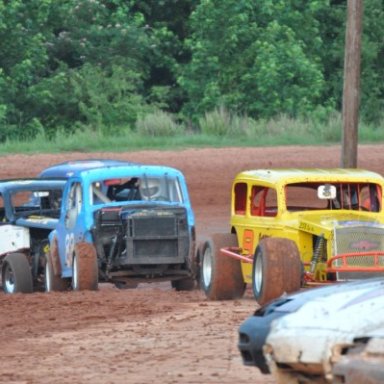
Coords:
53,283
16,274
85,268
221,277
277,269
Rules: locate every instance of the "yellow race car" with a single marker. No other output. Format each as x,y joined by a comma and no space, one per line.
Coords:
293,228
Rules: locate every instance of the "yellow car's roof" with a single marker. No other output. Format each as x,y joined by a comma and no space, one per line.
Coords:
289,175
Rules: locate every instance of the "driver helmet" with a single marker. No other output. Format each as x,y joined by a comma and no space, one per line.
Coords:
150,188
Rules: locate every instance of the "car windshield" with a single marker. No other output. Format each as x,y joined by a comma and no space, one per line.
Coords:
348,196
144,188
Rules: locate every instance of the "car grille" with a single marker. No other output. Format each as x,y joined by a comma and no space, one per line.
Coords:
153,226
360,239
157,237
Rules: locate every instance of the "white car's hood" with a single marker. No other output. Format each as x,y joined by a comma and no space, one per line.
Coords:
314,333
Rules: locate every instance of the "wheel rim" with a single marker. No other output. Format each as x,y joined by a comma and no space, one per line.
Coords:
48,287
75,280
207,267
9,279
258,275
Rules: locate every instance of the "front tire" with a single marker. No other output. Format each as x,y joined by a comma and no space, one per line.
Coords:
276,270
85,268
16,274
221,277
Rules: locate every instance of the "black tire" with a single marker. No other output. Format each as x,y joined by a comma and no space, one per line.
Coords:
277,269
85,268
52,282
188,284
220,276
16,274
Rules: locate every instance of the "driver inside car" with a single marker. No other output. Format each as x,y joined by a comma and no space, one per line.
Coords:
150,189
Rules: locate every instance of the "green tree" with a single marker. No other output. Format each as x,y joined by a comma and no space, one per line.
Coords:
23,62
167,22
332,32
259,58
44,47
93,50
372,76
102,63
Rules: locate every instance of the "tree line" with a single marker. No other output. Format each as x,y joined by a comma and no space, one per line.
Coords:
103,64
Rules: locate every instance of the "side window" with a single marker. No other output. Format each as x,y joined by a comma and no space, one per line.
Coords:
376,195
56,196
258,200
240,202
263,201
369,198
24,199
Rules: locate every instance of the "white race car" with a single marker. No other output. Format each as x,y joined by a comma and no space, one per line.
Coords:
338,338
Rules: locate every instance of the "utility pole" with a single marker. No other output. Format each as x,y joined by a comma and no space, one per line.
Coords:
351,89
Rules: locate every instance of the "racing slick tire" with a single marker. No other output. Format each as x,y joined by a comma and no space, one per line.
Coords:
16,274
277,269
85,268
221,277
52,282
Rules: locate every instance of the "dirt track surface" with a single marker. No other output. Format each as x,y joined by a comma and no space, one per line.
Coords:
151,333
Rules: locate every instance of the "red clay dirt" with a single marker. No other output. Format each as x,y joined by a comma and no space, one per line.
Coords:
151,333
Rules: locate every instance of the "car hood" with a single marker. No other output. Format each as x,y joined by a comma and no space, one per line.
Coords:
309,335
357,304
325,222
254,330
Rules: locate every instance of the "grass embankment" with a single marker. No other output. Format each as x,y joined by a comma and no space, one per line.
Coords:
216,129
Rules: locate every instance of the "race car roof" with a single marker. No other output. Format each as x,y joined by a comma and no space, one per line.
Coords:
69,168
30,184
288,175
102,168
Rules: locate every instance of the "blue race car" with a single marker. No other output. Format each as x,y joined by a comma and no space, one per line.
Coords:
122,223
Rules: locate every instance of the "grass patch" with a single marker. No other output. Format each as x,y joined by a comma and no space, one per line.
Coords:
220,129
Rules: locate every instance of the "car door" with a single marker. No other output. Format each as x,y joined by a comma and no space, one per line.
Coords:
70,227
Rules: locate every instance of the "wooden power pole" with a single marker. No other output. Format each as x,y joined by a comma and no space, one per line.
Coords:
351,87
